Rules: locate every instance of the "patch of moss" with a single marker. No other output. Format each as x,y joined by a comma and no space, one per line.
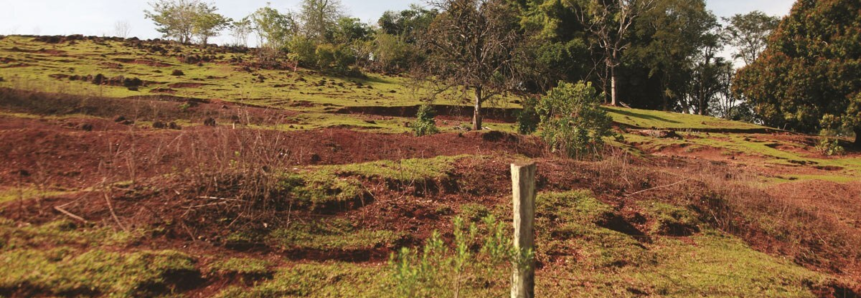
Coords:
670,120
573,234
240,266
320,188
243,239
671,220
319,280
62,232
11,194
573,206
473,212
341,183
331,235
406,170
715,265
64,271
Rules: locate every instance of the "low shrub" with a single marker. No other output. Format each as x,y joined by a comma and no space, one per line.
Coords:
830,146
335,59
436,271
425,123
572,121
528,119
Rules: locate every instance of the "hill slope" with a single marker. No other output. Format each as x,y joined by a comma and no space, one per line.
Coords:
220,183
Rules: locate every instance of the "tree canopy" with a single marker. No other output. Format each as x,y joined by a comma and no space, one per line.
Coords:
808,77
472,46
184,19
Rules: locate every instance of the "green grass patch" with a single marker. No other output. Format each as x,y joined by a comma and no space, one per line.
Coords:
669,120
406,170
239,266
12,194
574,235
597,261
322,188
708,265
670,219
213,80
61,232
319,186
318,280
331,235
64,271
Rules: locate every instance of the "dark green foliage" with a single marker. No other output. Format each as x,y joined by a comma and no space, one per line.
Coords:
393,54
407,24
304,51
667,45
572,120
528,119
334,58
749,34
425,123
809,70
351,29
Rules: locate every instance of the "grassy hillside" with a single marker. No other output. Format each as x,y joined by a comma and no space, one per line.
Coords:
234,181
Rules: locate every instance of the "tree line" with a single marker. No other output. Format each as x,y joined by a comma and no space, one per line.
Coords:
651,54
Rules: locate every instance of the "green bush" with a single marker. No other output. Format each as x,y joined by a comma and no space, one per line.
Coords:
304,51
334,58
528,119
572,121
425,124
832,129
392,54
473,211
434,270
830,146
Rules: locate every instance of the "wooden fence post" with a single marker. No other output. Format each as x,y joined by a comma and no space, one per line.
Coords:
523,184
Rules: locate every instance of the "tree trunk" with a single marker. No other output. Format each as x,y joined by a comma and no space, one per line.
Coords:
613,101
476,117
857,131
666,99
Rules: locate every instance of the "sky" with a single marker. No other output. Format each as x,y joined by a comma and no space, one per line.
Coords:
98,17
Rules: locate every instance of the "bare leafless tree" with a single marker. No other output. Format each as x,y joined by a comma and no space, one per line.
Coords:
122,29
473,45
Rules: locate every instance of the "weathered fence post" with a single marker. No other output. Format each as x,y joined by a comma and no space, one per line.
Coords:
523,184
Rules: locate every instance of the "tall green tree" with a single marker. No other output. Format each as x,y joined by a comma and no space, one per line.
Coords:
556,48
704,82
668,41
609,23
407,24
174,18
808,78
273,28
184,19
208,23
320,18
748,33
349,29
240,30
394,48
